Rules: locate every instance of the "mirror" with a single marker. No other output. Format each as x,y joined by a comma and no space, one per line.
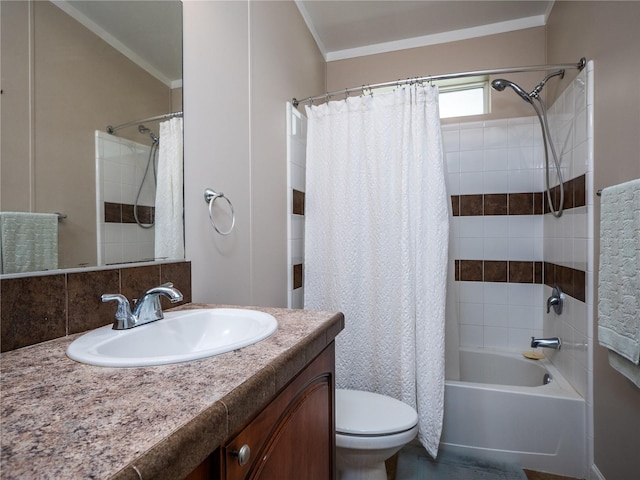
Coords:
70,69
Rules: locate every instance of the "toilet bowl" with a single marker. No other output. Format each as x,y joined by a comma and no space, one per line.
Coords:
370,428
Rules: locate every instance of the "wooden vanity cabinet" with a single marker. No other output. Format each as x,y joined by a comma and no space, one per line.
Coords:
293,437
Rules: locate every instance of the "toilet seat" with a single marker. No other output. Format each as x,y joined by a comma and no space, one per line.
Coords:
364,414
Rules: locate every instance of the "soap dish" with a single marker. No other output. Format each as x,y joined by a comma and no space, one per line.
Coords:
533,355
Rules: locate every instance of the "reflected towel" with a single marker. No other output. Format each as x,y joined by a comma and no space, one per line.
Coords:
29,241
619,281
169,233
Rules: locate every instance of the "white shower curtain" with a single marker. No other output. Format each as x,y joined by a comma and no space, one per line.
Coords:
169,231
376,244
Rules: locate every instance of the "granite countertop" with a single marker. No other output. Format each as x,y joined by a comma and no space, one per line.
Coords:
66,420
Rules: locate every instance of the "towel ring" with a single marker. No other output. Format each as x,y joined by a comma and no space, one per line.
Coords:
210,196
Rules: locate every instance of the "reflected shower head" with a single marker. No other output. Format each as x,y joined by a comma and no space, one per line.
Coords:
143,129
500,84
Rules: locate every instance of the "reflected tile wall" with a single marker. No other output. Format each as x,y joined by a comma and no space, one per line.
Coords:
296,171
120,170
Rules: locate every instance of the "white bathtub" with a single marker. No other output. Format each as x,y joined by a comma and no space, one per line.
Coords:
501,409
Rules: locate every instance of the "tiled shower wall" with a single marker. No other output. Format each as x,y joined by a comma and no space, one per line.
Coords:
296,170
120,167
509,251
568,240
507,248
495,170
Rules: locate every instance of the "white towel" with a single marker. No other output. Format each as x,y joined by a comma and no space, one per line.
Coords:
169,233
29,241
619,285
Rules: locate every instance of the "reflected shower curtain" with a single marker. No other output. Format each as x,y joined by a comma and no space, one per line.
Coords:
376,244
169,231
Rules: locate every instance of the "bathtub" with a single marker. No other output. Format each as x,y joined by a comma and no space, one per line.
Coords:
501,409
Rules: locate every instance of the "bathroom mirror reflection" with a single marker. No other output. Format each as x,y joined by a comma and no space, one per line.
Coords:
70,69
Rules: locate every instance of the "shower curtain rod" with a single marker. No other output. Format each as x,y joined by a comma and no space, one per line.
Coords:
398,83
165,116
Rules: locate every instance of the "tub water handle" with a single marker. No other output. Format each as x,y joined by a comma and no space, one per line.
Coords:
555,300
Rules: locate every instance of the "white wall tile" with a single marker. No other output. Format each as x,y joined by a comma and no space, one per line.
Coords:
496,136
471,183
471,314
471,160
471,335
471,248
496,248
496,226
471,292
471,226
494,181
453,161
451,138
496,337
471,139
496,159
496,315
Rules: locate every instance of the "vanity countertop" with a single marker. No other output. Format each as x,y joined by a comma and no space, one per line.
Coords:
66,420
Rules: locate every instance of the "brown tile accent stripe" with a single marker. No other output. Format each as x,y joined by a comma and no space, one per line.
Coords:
471,205
123,213
571,281
297,276
495,271
531,203
495,204
298,202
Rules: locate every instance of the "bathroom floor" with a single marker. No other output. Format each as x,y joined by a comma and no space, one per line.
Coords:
392,464
531,475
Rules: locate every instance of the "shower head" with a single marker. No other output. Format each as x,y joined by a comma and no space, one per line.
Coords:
500,84
142,129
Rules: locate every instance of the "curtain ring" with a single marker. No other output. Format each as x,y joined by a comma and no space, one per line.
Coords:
210,196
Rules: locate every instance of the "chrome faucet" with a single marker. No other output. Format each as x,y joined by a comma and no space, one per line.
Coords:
553,342
146,309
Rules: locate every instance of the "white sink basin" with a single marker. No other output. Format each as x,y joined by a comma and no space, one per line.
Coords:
179,337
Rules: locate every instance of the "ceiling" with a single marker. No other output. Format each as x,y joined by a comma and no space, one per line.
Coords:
148,32
346,29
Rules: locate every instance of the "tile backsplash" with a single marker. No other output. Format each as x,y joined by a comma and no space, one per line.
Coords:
38,308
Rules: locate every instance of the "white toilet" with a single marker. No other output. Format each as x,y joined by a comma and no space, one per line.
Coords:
370,428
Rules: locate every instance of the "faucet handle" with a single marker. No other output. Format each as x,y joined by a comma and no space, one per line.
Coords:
555,300
123,313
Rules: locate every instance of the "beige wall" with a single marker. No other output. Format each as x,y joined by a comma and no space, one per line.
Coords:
608,34
520,48
80,84
243,62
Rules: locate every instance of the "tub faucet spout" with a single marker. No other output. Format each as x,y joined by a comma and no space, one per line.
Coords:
553,342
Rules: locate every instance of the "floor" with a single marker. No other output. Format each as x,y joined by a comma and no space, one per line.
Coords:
531,475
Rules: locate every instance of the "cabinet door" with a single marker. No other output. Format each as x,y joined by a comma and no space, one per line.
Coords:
298,447
294,436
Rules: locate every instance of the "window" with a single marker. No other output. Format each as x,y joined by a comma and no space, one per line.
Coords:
463,99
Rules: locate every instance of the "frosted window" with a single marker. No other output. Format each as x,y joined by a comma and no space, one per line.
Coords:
463,101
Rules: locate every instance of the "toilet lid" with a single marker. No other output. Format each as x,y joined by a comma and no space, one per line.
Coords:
367,413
